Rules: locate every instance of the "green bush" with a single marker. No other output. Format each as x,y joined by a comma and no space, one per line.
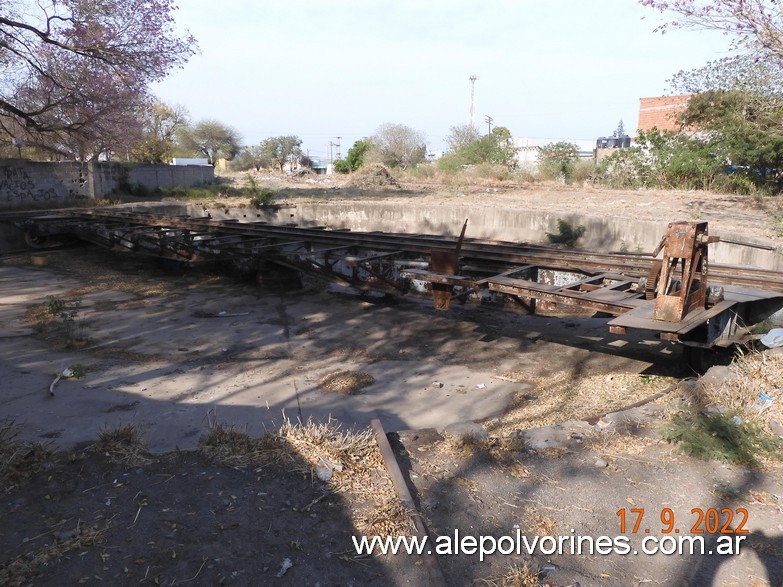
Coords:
342,166
263,197
451,163
492,171
584,170
567,234
558,160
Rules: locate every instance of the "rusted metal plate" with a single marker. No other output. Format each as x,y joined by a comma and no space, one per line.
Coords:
442,278
643,318
669,308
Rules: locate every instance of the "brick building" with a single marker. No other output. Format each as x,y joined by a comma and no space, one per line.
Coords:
661,112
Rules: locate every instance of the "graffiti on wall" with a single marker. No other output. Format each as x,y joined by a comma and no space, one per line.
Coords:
16,185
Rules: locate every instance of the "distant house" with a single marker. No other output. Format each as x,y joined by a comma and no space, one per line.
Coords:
189,161
661,112
320,166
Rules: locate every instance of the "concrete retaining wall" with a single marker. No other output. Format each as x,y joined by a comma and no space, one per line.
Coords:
42,184
513,224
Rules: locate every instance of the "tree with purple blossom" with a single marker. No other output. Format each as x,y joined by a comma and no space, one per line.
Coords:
756,25
74,74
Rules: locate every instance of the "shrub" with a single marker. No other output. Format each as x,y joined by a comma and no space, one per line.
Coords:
264,197
451,163
584,170
557,160
567,234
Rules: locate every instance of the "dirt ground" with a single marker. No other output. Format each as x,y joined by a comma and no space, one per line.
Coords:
758,216
168,354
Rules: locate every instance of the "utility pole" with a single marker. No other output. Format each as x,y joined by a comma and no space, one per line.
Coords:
331,144
472,79
338,147
489,120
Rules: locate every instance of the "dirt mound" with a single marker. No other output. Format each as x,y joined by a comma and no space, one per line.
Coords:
372,177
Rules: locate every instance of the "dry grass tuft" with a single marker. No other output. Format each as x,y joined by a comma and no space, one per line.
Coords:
18,460
232,447
356,451
516,576
352,457
390,518
25,567
751,373
466,444
302,447
123,444
346,382
613,443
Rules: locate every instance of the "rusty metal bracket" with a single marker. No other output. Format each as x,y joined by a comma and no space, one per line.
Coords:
445,261
678,292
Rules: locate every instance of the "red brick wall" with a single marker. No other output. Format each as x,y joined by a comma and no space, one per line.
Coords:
660,112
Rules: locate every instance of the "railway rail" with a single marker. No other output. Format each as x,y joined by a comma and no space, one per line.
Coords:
680,297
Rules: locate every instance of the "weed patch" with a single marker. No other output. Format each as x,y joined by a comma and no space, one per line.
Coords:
64,315
721,436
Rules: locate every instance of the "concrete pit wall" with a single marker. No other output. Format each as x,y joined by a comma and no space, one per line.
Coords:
515,225
28,184
506,224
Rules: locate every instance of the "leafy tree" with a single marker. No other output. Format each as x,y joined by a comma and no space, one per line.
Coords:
496,148
396,145
748,137
257,157
76,72
251,157
619,132
760,80
279,150
161,123
756,24
212,139
354,159
461,136
739,72
558,159
737,105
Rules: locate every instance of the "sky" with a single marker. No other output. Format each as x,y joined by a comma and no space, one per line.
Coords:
567,69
